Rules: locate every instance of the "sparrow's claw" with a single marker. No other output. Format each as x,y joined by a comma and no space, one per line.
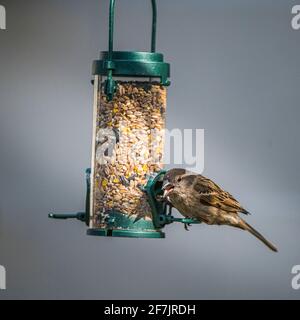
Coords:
186,226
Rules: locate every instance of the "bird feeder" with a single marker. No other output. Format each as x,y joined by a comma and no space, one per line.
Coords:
125,179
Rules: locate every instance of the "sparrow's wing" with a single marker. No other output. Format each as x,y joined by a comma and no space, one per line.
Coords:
212,195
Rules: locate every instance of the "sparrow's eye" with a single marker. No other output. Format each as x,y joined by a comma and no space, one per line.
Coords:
179,179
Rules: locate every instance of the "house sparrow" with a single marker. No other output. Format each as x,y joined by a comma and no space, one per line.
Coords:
197,197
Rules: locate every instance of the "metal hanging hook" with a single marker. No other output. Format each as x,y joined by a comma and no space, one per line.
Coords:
110,85
112,24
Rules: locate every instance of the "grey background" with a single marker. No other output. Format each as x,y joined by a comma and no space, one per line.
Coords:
235,73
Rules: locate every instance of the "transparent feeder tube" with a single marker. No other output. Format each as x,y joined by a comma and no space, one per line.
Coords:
128,145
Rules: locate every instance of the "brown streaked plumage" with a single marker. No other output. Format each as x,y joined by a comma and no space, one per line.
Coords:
195,196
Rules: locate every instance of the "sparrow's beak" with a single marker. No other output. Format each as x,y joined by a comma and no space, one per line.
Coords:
167,186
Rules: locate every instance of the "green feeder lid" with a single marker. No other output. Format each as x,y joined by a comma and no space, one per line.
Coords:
133,64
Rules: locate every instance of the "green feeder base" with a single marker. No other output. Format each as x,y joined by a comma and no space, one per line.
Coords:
121,225
126,233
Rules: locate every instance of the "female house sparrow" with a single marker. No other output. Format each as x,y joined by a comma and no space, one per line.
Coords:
197,197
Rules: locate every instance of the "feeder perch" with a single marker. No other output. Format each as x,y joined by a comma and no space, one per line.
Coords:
124,184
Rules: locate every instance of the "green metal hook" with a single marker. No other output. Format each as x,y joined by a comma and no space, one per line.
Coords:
110,85
112,24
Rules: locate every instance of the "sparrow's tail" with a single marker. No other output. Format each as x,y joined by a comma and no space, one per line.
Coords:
247,227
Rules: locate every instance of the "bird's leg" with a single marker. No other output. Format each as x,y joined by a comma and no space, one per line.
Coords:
170,209
186,226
